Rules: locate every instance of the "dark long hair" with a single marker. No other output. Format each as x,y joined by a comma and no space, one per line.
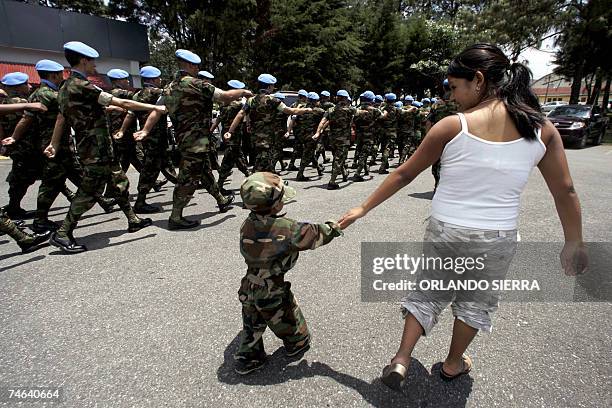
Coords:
509,82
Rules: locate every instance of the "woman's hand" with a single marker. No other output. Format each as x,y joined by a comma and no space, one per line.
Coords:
574,258
351,216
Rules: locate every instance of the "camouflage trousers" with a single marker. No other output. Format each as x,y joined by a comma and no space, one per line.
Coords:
274,307
26,169
277,147
298,148
8,227
367,146
233,157
127,152
152,164
358,150
340,152
264,158
387,140
308,155
403,145
193,168
95,178
55,173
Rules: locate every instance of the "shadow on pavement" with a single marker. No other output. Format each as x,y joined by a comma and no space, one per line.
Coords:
101,240
163,224
426,195
6,268
421,389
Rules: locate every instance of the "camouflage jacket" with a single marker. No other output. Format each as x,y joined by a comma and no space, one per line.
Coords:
365,120
189,102
442,110
82,104
340,119
270,245
262,109
159,133
389,123
327,105
406,120
115,118
310,120
298,125
30,141
227,113
44,122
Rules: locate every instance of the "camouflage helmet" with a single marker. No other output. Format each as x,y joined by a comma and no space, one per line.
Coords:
262,190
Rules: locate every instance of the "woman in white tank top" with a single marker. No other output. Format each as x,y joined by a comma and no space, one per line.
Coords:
486,153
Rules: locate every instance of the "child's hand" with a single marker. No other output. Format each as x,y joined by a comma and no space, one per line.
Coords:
351,216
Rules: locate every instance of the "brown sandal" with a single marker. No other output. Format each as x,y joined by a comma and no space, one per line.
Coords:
394,376
467,367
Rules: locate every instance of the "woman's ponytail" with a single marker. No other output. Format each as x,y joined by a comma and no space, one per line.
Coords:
521,102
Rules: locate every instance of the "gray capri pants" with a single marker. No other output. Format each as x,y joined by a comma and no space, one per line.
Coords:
473,307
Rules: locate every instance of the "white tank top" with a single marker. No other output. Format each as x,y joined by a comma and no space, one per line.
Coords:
481,181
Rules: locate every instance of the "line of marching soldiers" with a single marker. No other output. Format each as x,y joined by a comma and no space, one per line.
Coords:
69,129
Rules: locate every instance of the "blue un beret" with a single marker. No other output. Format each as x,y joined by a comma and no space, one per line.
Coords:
234,83
434,100
117,73
369,95
188,56
302,92
325,93
313,95
342,92
81,48
390,96
206,74
279,95
266,79
445,82
14,79
417,104
398,104
379,98
409,98
49,66
150,72
425,100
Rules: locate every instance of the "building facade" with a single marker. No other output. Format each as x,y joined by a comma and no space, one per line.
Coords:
29,32
553,87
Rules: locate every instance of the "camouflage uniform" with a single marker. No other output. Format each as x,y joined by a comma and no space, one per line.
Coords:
270,245
82,105
155,146
340,119
439,112
64,165
388,133
324,143
262,110
233,153
298,136
308,124
278,142
365,127
125,149
26,155
189,102
405,132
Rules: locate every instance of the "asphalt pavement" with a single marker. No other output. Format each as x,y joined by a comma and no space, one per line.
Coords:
151,319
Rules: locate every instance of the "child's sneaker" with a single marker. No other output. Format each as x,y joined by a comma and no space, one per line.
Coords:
244,367
294,351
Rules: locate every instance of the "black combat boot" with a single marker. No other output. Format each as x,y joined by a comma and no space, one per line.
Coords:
226,203
67,243
140,223
107,204
44,225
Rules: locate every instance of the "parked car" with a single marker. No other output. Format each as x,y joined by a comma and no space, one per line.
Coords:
549,106
578,124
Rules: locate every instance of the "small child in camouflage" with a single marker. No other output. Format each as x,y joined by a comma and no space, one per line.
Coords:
270,244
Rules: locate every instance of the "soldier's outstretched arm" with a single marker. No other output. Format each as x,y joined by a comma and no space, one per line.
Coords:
322,125
306,235
235,123
18,107
128,104
19,131
232,95
125,125
152,120
296,111
58,130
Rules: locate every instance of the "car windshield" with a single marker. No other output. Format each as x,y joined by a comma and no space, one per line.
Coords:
572,111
